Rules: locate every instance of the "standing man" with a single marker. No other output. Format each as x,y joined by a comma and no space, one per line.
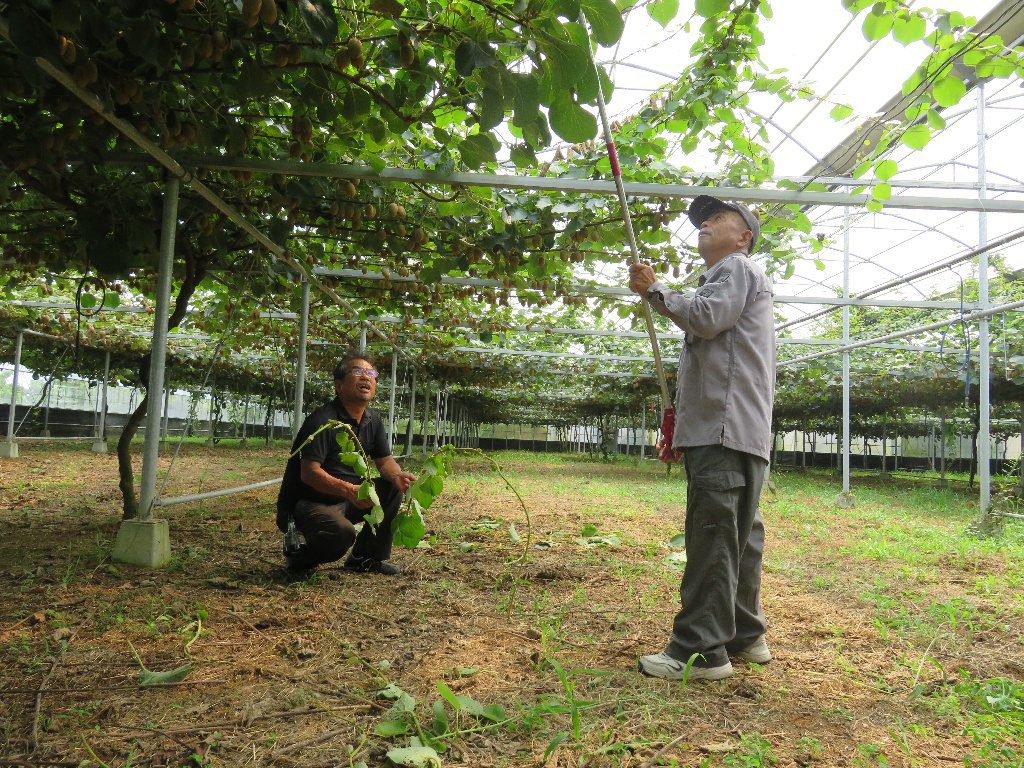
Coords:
319,492
726,385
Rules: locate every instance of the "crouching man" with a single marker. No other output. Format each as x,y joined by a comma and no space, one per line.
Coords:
319,492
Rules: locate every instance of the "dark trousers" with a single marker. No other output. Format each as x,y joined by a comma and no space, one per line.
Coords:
329,529
721,589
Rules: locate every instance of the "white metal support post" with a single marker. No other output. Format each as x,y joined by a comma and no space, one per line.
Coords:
165,432
46,410
984,377
426,415
145,541
245,417
411,426
845,500
362,340
391,405
9,448
100,444
437,419
210,414
300,363
643,428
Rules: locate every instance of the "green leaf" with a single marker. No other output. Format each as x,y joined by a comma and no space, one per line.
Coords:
588,530
877,26
440,724
477,150
606,22
472,55
875,206
841,111
415,757
949,90
663,11
390,728
87,301
886,169
320,19
917,136
448,695
679,540
491,108
494,712
571,121
907,30
176,675
513,534
709,8
935,120
422,495
881,191
435,484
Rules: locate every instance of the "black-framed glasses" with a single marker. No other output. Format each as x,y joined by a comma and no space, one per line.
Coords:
369,373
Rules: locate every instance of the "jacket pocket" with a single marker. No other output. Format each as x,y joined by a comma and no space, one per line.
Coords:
719,480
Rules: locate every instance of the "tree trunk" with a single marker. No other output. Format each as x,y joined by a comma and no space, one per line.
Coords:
195,271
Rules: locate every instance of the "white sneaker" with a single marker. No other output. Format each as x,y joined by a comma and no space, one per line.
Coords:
663,666
756,653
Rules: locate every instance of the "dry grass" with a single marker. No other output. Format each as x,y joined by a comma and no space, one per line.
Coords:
288,672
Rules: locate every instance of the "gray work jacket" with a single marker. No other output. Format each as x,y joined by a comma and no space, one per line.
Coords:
726,379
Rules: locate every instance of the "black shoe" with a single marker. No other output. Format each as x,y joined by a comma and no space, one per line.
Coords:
369,565
298,566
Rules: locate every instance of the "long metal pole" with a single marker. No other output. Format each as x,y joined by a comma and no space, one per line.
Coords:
11,413
846,354
643,428
627,220
391,405
362,340
437,418
151,446
411,426
426,414
46,411
300,363
245,416
166,434
984,379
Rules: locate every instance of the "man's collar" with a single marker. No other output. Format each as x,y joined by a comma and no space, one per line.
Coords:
345,415
703,277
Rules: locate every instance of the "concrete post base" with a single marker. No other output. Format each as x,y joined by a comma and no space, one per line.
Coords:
8,450
99,446
942,483
846,500
46,433
143,542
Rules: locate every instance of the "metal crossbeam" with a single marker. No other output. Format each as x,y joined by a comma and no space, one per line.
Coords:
572,186
582,289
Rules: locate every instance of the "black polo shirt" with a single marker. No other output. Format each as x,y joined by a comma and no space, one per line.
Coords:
324,450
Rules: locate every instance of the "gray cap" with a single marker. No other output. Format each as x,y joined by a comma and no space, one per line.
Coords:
705,205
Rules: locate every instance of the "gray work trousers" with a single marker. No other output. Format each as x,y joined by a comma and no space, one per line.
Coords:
721,589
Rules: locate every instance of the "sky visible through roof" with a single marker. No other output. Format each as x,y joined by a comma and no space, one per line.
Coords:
822,44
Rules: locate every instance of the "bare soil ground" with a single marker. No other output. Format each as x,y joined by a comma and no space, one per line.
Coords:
870,643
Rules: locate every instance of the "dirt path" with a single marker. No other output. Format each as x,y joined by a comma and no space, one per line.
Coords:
289,673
